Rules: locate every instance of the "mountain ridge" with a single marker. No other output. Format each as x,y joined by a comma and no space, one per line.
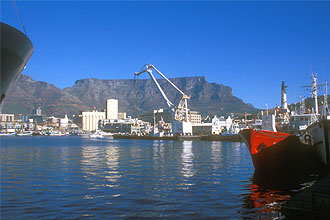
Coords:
135,96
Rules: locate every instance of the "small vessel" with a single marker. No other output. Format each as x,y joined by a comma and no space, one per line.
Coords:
25,133
96,136
101,134
7,134
56,133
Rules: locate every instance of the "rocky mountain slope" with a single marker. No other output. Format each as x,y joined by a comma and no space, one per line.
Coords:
135,96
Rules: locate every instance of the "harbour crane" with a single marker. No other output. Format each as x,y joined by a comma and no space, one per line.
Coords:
181,123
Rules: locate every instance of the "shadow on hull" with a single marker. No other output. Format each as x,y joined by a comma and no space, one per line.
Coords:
16,50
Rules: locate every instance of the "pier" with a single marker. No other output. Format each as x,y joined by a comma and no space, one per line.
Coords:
313,202
221,137
229,138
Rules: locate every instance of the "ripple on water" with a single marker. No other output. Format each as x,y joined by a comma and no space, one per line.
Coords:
81,178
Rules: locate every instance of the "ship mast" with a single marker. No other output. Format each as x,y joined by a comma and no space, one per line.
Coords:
284,101
325,109
314,92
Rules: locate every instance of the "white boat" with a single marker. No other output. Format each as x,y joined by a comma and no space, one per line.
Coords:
320,135
101,134
56,133
7,134
320,131
95,135
25,133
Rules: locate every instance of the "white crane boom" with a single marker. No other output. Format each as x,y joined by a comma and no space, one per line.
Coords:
168,80
169,104
180,112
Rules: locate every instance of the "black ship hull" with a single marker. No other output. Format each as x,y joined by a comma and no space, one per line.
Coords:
16,50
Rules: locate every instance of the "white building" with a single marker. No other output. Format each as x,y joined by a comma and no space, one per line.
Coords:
121,115
112,109
90,119
221,124
7,117
194,117
38,111
64,122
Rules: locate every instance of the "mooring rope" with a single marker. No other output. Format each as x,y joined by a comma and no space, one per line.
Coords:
18,15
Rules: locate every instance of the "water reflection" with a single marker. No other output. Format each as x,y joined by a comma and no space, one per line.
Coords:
158,149
187,159
132,179
89,160
111,160
216,151
267,200
100,162
237,148
65,158
263,202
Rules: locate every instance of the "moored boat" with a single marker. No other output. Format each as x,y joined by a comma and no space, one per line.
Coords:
320,132
283,154
25,133
96,136
320,137
276,154
101,134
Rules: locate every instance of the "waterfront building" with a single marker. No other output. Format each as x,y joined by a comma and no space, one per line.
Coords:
37,119
77,119
194,117
112,109
7,117
24,118
202,129
127,126
36,111
52,121
64,122
221,124
90,119
36,116
121,115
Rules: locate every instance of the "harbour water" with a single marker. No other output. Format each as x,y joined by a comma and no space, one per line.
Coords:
72,177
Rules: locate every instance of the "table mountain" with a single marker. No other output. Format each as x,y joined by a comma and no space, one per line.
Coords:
135,96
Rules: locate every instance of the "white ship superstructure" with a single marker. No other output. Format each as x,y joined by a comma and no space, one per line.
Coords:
320,129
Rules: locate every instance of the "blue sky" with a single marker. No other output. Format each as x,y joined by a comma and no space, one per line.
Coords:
249,46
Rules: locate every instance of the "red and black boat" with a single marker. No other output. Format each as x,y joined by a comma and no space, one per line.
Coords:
276,154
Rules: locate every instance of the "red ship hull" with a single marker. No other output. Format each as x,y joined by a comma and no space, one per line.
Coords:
276,154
